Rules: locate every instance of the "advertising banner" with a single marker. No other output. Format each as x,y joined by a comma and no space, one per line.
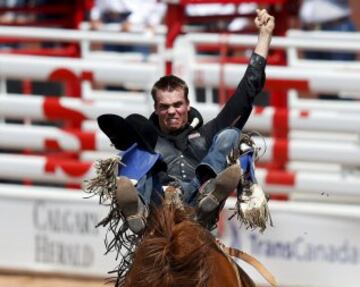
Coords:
310,244
52,231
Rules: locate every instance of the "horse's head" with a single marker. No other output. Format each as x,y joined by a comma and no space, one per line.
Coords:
174,251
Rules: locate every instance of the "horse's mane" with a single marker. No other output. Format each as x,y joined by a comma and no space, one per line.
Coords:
174,248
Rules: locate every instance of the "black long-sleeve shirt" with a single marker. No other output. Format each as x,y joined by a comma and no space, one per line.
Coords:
238,109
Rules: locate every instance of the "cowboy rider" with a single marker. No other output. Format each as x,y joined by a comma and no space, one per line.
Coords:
195,154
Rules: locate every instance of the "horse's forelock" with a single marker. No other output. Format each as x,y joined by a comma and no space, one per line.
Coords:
173,251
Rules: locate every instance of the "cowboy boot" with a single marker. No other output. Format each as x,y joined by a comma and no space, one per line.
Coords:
218,189
130,204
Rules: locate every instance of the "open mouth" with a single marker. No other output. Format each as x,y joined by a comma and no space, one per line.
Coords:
172,121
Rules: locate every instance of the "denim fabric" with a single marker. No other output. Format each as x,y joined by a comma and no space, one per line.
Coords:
221,146
215,160
150,189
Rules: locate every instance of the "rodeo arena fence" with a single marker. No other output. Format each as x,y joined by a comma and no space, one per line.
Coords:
309,163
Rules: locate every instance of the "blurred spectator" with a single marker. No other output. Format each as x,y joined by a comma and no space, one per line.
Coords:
327,15
200,11
12,17
210,9
129,15
109,11
217,9
145,15
242,23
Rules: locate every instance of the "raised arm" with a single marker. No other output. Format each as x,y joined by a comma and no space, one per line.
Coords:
238,108
265,24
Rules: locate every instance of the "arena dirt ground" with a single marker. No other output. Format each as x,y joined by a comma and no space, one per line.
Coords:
17,280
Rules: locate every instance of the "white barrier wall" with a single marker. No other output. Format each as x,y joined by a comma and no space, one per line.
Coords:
317,80
342,153
64,171
308,117
310,245
52,231
64,108
343,118
45,169
142,75
39,138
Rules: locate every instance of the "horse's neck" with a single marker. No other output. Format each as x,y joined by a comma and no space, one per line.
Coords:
224,272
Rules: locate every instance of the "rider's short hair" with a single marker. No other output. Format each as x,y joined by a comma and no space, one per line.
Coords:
170,83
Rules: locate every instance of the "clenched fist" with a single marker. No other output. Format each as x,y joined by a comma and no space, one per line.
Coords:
264,22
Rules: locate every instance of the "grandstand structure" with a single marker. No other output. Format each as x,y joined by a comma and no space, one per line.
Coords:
54,83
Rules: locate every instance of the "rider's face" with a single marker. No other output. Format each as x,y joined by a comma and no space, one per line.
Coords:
172,109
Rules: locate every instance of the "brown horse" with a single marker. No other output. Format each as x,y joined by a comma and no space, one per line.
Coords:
177,251
174,249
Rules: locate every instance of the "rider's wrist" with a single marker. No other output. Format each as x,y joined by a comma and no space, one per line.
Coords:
257,61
